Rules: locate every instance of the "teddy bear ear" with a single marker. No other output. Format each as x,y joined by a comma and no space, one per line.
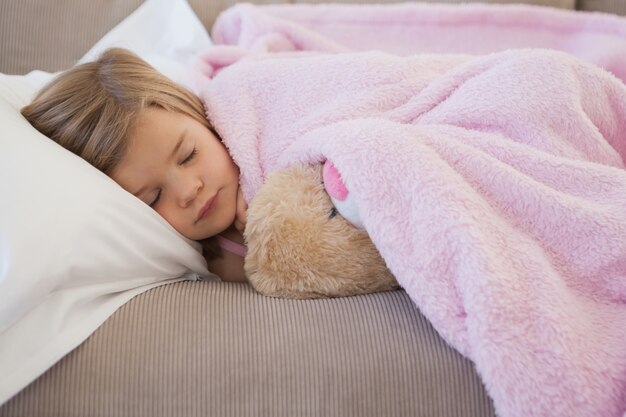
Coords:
343,201
333,183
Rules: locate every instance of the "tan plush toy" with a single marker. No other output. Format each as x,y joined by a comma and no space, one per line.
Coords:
300,247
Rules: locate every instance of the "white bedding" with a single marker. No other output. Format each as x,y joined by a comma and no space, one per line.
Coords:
74,246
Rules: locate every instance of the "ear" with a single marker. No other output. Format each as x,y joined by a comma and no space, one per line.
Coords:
339,194
332,182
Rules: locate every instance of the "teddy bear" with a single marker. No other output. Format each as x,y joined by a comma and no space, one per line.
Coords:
300,246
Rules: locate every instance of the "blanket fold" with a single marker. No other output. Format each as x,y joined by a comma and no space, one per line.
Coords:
409,28
493,186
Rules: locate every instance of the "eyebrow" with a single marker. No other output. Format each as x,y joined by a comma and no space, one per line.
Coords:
181,139
180,142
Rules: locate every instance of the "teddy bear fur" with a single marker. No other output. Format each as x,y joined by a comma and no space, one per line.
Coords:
300,247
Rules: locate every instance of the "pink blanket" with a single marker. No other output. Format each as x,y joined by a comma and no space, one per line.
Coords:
411,28
493,186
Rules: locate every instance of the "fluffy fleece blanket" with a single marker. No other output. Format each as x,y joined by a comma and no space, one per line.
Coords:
409,28
493,186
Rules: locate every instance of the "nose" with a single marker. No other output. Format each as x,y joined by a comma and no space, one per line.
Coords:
185,188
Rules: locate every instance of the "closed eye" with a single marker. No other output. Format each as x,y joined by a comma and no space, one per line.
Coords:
190,157
185,161
333,213
156,200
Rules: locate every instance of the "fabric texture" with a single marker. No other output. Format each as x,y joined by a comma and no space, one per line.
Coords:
165,33
74,246
607,6
565,4
231,246
219,349
35,34
61,229
406,29
493,186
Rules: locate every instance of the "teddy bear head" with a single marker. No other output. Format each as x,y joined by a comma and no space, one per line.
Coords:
300,247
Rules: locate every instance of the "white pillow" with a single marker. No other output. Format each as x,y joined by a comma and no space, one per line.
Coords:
74,246
166,33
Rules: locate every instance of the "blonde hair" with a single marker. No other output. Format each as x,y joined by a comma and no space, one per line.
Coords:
91,109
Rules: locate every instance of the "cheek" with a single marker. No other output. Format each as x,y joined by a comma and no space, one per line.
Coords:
175,219
215,160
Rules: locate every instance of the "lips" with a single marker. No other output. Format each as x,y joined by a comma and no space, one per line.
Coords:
208,206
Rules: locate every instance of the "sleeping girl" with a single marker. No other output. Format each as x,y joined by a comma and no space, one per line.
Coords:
151,136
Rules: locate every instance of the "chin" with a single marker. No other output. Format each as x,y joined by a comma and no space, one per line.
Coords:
213,232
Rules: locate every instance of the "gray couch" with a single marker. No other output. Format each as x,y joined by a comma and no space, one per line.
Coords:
220,349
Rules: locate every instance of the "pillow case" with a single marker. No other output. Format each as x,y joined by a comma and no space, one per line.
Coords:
165,33
74,246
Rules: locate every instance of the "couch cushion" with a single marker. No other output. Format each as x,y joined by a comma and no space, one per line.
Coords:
52,36
608,6
220,349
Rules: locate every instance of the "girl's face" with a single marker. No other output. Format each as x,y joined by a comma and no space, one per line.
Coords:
179,167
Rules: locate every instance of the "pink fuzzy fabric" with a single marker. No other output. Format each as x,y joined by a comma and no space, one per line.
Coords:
410,28
493,186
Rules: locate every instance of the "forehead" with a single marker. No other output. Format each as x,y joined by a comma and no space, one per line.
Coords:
151,142
155,128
